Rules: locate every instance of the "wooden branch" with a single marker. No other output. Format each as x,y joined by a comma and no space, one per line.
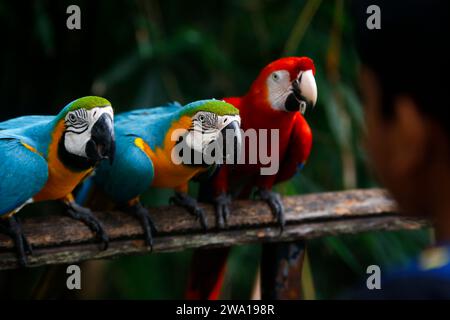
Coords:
59,239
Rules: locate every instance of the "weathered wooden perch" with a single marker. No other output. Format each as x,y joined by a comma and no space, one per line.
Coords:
59,239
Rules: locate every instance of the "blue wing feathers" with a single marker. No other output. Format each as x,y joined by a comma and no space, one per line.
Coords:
23,173
35,131
150,124
130,175
84,191
148,113
132,171
25,121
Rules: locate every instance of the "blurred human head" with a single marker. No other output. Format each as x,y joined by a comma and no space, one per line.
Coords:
403,81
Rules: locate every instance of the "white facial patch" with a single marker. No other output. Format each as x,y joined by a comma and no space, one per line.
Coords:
278,85
79,125
227,119
207,128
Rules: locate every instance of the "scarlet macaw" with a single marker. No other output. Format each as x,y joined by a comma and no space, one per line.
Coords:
282,89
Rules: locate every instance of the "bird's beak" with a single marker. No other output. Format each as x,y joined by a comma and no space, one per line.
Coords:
232,142
304,93
102,144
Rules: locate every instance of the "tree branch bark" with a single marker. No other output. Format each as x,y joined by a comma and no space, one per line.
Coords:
59,239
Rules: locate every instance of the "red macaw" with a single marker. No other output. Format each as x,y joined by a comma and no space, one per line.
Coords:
282,88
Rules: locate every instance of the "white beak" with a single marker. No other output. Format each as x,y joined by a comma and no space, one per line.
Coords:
308,87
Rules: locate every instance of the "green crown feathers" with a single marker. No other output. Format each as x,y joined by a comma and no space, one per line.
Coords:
218,107
88,103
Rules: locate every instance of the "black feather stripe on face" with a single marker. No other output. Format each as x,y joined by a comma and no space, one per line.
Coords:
77,131
210,121
76,121
206,120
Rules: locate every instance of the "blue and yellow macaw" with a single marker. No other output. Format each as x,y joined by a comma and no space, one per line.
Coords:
46,157
145,157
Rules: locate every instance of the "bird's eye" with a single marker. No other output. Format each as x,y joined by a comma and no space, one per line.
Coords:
72,117
275,76
201,118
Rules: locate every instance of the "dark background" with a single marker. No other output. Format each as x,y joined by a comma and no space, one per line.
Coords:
144,53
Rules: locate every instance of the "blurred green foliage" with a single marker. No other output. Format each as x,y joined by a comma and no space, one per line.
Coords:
144,53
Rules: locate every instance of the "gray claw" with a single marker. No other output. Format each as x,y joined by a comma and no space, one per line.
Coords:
273,199
190,205
142,214
13,228
86,216
222,209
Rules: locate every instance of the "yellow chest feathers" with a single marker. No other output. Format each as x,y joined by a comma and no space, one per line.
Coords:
168,174
61,180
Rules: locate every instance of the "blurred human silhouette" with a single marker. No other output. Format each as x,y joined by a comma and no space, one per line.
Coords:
403,80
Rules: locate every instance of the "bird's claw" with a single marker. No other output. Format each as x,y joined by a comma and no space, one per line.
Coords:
222,209
273,199
26,244
86,216
13,228
141,213
190,205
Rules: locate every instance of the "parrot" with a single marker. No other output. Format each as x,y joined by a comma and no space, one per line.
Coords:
46,157
277,99
145,140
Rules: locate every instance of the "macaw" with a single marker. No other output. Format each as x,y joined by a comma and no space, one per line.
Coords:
146,140
277,99
46,157
283,88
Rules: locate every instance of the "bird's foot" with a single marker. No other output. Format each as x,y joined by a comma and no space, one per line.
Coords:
13,228
190,204
222,209
86,216
141,213
273,199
